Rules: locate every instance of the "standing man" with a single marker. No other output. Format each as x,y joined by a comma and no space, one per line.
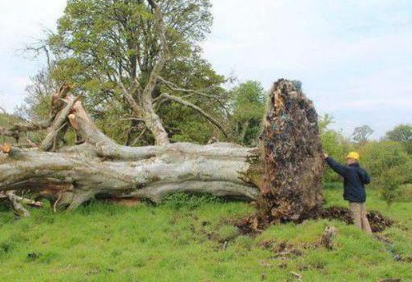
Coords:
355,179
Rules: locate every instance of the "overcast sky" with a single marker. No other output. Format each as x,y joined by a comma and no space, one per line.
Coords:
353,57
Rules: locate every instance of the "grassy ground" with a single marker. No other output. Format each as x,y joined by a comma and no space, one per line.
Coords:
176,242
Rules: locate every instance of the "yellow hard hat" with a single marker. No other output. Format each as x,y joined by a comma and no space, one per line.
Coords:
353,155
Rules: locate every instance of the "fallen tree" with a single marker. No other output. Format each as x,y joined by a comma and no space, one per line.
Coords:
283,174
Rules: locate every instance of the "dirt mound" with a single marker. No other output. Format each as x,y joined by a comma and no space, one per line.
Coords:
377,221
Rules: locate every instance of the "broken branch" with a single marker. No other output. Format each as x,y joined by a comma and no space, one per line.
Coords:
59,122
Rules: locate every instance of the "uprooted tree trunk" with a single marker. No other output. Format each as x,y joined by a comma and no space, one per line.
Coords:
293,162
285,170
293,157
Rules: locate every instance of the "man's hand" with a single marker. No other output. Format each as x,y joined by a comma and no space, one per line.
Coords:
326,155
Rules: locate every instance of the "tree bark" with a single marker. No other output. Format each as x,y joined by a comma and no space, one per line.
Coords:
243,132
146,173
154,123
284,174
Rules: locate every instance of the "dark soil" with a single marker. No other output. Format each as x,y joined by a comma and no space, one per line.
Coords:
378,222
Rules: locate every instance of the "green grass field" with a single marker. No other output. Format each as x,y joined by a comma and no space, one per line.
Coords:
196,242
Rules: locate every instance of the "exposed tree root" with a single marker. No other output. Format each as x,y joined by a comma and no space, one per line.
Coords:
293,159
378,222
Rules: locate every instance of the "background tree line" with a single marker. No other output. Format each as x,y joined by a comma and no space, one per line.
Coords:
388,160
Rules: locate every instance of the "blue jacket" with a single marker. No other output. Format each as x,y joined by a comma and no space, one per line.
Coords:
355,179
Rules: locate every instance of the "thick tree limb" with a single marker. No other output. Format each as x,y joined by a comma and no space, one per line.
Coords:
219,169
195,108
58,102
164,50
58,99
20,128
59,122
25,201
152,172
9,133
152,120
16,204
243,132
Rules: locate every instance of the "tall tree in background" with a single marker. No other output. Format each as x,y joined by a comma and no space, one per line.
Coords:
130,58
248,108
361,134
403,134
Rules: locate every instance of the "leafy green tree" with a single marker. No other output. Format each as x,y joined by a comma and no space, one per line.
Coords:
248,103
195,81
389,165
380,156
389,183
130,59
403,134
361,134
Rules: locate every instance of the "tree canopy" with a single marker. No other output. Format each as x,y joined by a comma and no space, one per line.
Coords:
248,104
403,134
123,55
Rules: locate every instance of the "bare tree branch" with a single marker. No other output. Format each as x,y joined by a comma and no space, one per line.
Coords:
195,108
174,87
132,119
164,52
135,107
138,137
58,124
25,201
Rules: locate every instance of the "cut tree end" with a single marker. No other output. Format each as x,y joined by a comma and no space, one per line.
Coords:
6,148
